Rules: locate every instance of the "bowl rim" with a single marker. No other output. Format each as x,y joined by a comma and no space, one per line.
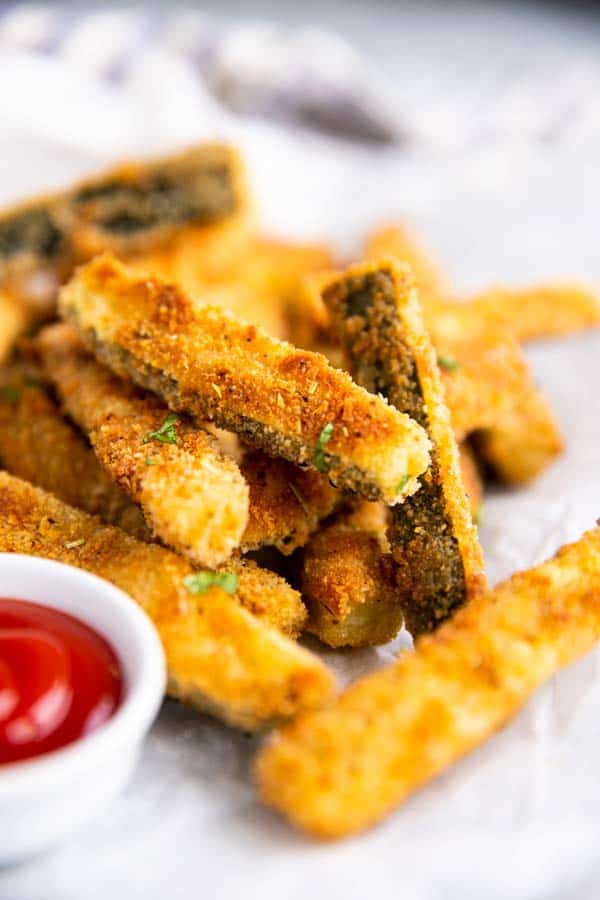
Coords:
144,690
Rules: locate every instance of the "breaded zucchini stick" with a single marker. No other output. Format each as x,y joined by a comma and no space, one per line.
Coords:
131,207
439,562
38,445
341,770
221,659
288,402
348,584
542,311
286,503
193,497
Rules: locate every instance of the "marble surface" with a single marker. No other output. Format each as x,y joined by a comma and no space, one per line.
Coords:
519,818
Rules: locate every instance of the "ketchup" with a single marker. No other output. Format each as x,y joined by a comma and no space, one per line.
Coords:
59,680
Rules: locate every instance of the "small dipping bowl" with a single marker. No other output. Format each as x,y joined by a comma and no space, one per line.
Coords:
45,798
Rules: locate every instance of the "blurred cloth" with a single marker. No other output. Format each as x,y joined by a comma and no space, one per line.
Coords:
312,77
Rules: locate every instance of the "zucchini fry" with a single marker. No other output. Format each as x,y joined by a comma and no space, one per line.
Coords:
288,402
341,770
348,584
194,498
130,208
38,445
221,659
286,503
543,311
439,562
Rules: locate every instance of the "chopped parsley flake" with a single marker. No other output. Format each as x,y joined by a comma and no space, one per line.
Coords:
200,582
9,393
478,515
402,483
149,461
33,381
166,434
448,363
324,439
299,498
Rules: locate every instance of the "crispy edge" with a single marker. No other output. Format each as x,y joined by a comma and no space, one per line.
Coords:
38,445
192,496
348,585
207,363
286,503
434,543
342,770
221,659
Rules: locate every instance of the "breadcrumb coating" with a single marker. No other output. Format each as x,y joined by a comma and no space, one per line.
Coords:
341,770
38,445
376,312
220,658
193,497
286,503
288,402
348,584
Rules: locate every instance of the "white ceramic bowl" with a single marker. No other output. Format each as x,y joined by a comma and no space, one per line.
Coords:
44,798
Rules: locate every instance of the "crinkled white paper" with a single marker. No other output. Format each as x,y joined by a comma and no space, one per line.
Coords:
520,818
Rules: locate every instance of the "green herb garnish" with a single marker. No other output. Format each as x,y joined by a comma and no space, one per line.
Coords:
299,498
150,461
402,483
33,381
448,363
324,439
166,434
478,515
200,582
9,393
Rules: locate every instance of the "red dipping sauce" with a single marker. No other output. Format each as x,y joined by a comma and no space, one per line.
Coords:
59,680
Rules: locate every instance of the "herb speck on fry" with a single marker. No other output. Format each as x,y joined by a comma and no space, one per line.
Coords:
402,483
166,434
200,582
448,363
9,393
324,439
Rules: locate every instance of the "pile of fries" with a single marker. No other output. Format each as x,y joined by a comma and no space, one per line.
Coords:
255,442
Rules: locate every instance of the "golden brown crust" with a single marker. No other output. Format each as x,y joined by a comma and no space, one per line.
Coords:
540,311
288,402
348,585
194,498
38,445
376,313
220,657
341,770
286,503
